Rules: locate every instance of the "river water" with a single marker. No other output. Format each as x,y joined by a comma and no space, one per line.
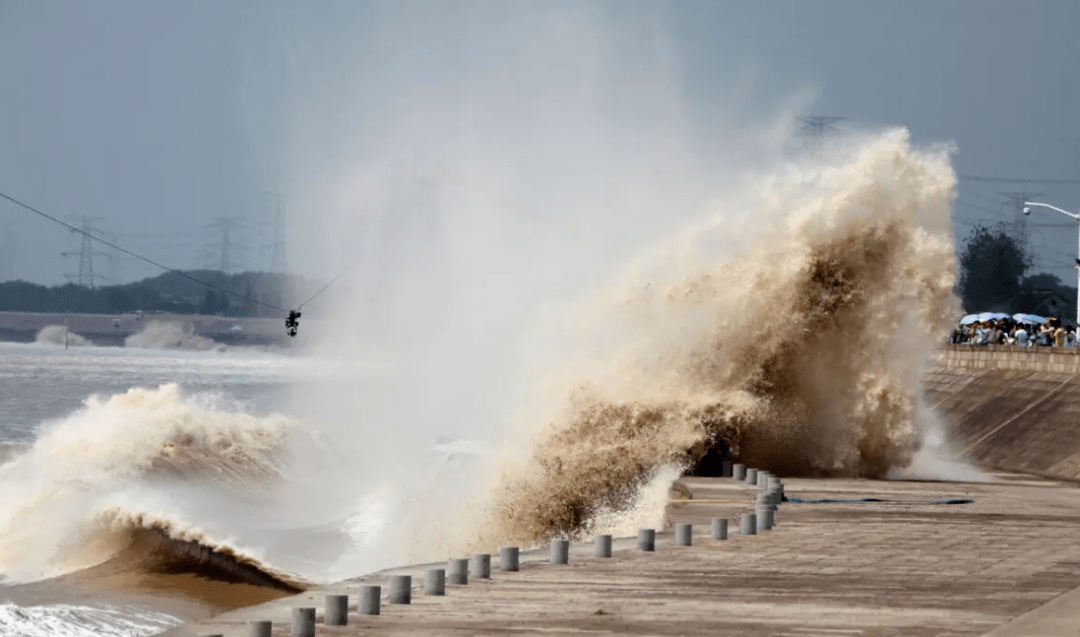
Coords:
81,436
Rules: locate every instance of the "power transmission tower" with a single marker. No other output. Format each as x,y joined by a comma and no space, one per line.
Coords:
279,260
7,253
817,126
228,243
86,254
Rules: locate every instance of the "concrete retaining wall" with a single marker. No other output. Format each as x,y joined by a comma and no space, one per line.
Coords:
1011,408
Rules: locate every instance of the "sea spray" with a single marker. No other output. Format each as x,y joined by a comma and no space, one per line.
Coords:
171,335
800,353
60,335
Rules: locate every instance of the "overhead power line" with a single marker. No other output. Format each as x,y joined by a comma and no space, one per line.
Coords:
1017,180
89,237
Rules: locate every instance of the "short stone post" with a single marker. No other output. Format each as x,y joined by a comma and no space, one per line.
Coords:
370,600
400,589
457,572
480,566
261,628
748,524
738,472
751,476
560,551
764,518
646,540
303,622
337,610
508,558
763,479
725,469
684,534
719,529
435,581
602,547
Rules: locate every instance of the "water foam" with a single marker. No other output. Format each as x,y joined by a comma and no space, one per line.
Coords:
60,335
171,335
147,458
64,620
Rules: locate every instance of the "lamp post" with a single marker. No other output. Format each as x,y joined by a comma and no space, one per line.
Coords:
1027,211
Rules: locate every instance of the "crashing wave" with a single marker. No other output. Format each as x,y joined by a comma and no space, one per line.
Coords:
165,335
799,354
60,335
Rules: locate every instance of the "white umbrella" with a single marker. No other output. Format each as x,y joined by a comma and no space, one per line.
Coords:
1029,318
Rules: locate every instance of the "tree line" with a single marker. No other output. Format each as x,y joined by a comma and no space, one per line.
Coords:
994,277
238,295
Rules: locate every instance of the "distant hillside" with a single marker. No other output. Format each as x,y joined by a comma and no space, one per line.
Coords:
231,295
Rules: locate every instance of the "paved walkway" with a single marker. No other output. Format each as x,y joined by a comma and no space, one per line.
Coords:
1008,562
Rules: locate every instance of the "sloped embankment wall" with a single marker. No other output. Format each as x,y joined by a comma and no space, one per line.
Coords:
1011,408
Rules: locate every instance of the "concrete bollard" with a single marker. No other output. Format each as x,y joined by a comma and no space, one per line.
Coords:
748,525
303,622
738,472
751,476
369,600
602,547
337,610
646,540
560,551
480,566
261,628
508,558
400,589
457,572
684,534
725,469
763,479
435,581
719,529
764,519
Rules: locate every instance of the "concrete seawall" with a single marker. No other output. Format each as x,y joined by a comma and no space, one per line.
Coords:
1011,408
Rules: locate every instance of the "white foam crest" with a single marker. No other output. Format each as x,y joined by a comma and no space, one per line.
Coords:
171,335
146,452
64,620
60,335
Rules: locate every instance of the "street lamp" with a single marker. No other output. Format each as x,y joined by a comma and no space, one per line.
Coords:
1027,211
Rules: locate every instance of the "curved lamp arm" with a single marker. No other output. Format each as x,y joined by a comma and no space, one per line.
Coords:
1028,204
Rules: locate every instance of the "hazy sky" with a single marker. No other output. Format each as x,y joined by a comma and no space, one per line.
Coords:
159,119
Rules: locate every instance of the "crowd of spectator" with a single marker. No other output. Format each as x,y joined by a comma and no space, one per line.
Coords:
1008,331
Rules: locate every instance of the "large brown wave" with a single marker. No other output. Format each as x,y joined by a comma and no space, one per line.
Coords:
806,360
82,494
152,565
155,547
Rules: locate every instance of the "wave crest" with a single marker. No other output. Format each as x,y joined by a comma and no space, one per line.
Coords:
151,453
800,353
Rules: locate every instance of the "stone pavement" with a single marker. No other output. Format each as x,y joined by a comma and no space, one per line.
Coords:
1008,562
